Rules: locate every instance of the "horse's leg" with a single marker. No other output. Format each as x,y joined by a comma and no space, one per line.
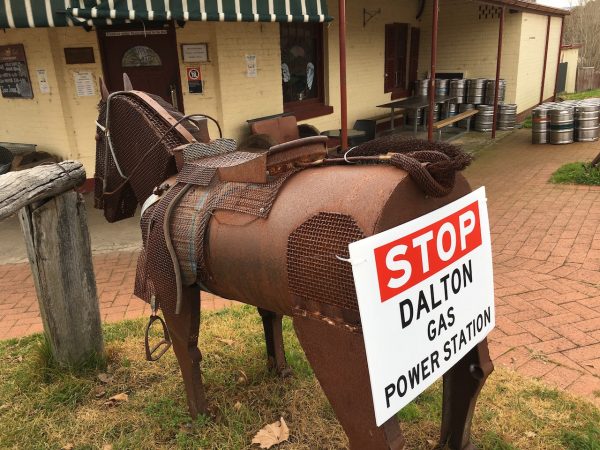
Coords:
339,361
183,329
274,340
462,385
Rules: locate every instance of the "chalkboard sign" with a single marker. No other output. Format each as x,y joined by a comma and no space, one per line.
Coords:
14,74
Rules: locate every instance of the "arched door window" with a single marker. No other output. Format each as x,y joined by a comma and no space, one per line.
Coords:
140,56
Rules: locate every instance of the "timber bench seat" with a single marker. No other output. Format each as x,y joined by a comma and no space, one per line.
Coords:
440,124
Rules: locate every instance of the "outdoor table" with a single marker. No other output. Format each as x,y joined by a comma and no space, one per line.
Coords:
414,104
352,135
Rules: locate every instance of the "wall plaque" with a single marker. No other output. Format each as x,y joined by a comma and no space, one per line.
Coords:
79,55
14,74
195,52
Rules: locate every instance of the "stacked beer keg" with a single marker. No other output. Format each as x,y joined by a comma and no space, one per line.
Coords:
566,122
472,93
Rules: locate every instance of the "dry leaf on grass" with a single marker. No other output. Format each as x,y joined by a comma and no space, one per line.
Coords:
237,406
272,434
67,447
242,378
107,447
116,399
225,341
105,378
530,434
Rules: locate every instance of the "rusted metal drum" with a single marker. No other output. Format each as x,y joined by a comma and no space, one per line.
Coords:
561,125
490,86
469,120
540,130
441,86
457,89
586,120
476,90
484,118
422,87
292,250
507,116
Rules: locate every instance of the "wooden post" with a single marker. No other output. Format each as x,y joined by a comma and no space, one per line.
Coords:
54,222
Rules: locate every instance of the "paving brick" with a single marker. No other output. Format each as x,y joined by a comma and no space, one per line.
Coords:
562,376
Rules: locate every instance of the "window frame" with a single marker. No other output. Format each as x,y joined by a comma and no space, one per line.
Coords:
311,107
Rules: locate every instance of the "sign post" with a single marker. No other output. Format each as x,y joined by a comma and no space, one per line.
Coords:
426,297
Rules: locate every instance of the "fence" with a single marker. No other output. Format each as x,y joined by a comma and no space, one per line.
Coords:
587,78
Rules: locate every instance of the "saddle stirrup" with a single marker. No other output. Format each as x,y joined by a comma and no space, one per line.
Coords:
158,350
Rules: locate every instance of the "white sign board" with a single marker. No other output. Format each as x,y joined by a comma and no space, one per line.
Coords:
251,69
84,84
426,297
42,77
195,52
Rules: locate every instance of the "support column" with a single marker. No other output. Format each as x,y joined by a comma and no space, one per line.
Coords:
562,29
545,59
343,87
434,32
498,64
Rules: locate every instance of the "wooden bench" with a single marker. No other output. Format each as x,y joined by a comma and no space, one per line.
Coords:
440,124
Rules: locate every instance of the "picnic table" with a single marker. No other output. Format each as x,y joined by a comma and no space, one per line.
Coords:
415,104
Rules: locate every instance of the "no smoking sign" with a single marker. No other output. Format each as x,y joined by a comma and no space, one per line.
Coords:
194,79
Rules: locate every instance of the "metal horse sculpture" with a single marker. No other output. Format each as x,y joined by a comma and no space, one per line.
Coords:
265,229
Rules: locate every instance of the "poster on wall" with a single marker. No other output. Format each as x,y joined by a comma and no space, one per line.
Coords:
85,86
195,52
42,77
194,79
251,69
14,74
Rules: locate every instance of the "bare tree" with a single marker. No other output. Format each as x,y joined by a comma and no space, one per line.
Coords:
582,26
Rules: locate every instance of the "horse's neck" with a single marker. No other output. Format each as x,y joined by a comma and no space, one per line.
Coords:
156,172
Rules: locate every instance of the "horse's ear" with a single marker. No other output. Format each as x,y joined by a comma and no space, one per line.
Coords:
103,90
127,83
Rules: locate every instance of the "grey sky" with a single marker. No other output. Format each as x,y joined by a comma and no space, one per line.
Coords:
559,3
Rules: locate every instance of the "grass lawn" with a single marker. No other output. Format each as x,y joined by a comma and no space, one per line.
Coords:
577,173
41,407
581,95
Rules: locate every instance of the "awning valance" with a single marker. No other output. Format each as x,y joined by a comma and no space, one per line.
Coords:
56,13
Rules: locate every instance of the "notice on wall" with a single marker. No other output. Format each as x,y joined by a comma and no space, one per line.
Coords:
85,85
194,79
251,69
42,77
426,297
195,52
14,74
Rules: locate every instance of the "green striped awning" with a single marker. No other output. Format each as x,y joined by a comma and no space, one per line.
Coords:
56,13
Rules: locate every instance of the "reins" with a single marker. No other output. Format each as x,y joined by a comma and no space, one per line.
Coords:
109,146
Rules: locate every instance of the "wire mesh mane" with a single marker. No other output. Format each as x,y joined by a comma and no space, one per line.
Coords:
134,128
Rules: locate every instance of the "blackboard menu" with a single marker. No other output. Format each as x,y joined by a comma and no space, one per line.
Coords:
14,75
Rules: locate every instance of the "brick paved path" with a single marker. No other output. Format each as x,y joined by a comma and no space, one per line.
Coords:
546,241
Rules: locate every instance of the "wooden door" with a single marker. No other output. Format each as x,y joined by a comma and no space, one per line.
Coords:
396,40
413,65
148,56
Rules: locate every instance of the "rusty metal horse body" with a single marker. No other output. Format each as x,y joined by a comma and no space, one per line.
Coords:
284,262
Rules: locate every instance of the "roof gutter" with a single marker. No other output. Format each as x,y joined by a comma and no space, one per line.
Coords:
532,8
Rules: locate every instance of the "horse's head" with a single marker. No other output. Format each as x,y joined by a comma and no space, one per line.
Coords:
135,134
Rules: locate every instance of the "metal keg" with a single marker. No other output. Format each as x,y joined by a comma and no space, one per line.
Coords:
475,90
490,87
457,89
437,112
586,122
540,129
561,125
507,116
484,118
413,116
469,120
441,86
422,87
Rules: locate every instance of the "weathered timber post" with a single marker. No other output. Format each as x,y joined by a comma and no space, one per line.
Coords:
54,222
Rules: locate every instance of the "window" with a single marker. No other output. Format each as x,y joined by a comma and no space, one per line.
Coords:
302,72
395,70
140,56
